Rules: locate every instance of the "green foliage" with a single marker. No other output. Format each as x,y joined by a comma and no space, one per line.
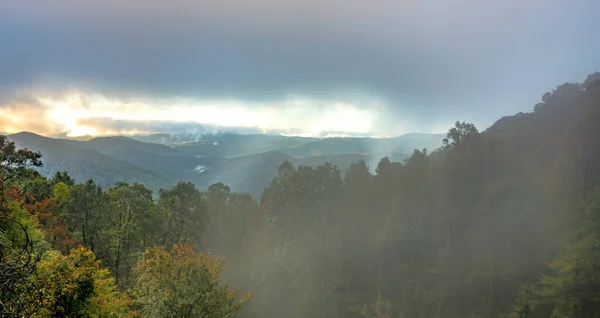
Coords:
15,161
38,187
84,212
183,213
63,177
130,218
76,285
573,288
61,193
460,133
20,239
19,247
183,284
13,236
82,163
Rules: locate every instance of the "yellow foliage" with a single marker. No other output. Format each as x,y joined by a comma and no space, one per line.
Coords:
183,283
61,193
76,284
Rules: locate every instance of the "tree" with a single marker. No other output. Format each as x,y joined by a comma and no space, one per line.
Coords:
64,177
591,78
130,216
45,214
184,214
458,134
18,260
61,193
574,289
76,285
37,186
19,236
228,216
183,283
84,213
15,161
300,205
218,218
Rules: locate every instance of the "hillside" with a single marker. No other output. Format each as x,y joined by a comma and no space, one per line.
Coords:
110,144
250,173
163,139
176,166
247,163
380,147
238,145
83,164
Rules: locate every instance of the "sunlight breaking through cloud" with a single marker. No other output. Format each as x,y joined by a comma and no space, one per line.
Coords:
80,114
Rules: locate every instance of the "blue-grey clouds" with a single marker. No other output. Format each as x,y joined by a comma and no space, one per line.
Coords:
430,62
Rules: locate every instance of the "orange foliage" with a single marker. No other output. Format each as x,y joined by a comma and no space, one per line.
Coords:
56,233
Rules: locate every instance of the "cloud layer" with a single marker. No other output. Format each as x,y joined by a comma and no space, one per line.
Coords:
418,65
81,114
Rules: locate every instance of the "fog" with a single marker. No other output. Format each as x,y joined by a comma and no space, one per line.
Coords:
495,222
461,231
293,141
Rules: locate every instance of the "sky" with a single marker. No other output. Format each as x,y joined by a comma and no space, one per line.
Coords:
310,67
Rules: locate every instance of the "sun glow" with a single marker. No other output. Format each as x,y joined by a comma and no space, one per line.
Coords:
78,114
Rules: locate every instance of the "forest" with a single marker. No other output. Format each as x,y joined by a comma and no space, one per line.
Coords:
499,223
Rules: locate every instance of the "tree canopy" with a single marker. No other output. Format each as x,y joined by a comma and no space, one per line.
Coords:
499,223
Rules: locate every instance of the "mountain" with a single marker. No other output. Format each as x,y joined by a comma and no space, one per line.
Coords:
238,145
166,139
111,144
376,146
247,163
249,173
176,166
82,164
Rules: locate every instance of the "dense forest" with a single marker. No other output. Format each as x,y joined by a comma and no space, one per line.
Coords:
499,223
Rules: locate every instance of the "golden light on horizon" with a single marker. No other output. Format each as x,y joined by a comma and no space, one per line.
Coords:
78,114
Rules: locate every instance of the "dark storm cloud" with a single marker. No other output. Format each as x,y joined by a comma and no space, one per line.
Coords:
429,60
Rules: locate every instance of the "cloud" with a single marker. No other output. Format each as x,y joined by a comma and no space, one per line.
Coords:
80,114
25,115
428,62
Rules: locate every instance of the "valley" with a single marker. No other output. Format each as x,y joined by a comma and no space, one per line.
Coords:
247,163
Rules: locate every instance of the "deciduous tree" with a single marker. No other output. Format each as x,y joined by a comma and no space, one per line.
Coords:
183,283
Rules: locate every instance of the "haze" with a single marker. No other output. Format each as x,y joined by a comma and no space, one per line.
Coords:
302,159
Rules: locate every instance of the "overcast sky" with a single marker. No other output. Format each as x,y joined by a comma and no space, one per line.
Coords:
368,67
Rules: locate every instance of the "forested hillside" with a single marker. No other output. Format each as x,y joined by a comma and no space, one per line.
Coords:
498,223
247,163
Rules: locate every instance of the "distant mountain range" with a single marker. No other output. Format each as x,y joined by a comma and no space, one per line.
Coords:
247,163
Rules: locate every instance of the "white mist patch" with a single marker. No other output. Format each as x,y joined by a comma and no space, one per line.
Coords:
215,143
200,168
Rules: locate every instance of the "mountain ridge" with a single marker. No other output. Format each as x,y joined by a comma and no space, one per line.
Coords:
83,164
247,162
